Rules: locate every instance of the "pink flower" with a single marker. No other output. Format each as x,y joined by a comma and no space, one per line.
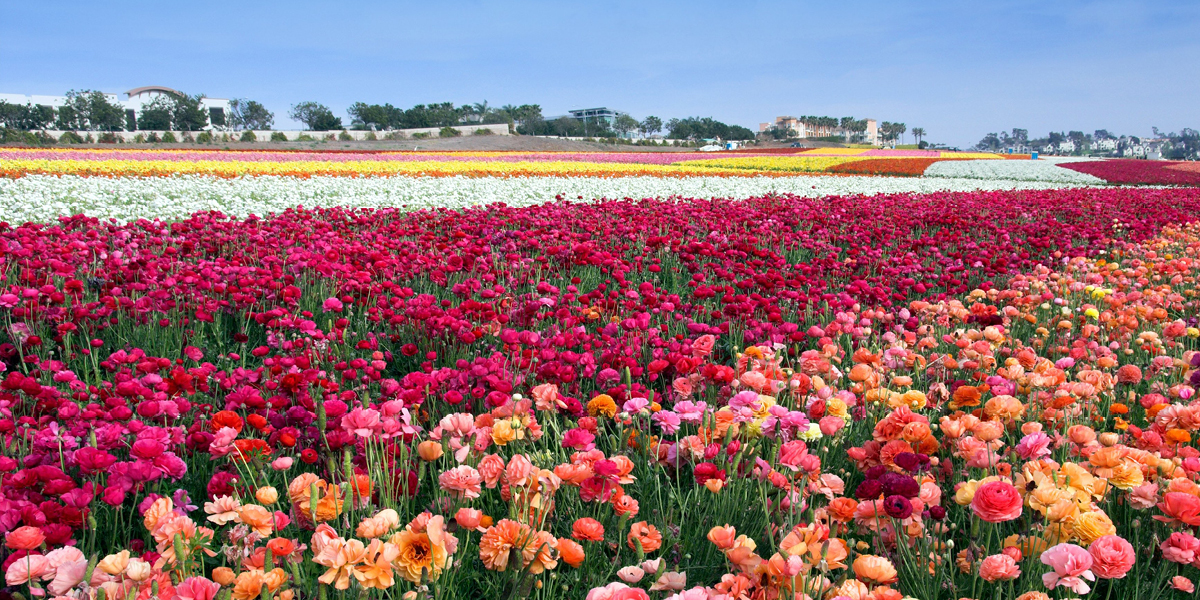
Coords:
491,468
1182,548
32,566
363,422
668,421
999,567
996,502
1112,556
617,591
830,425
24,538
461,482
1144,496
1183,584
791,453
703,346
1034,446
1071,566
197,588
332,305
282,463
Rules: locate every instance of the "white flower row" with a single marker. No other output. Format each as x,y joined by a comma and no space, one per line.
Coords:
44,198
1019,170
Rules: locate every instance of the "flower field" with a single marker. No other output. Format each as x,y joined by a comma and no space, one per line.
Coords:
286,375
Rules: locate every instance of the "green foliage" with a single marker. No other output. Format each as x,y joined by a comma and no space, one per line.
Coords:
205,137
91,110
420,135
249,114
108,137
249,136
187,114
650,126
448,132
482,131
155,115
139,138
371,136
345,136
304,137
696,128
29,138
70,137
169,138
25,117
277,136
315,116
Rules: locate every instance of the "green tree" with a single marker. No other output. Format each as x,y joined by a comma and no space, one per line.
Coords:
650,126
375,117
315,116
155,115
249,114
187,113
918,133
624,124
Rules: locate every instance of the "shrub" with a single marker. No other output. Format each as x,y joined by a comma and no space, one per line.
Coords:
139,138
187,138
248,136
396,135
277,136
205,137
169,137
449,131
370,136
88,139
70,137
420,135
153,137
483,131
107,138
304,137
345,136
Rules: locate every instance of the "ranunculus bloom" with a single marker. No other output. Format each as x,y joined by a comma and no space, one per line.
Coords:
1112,557
996,502
588,529
24,538
1183,584
999,567
1182,548
1071,566
197,588
875,570
571,552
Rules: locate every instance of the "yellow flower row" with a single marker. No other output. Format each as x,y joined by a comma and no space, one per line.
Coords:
799,164
120,168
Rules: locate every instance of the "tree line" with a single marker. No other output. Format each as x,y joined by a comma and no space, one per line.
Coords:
90,110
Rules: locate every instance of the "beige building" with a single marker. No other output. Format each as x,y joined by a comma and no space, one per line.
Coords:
807,129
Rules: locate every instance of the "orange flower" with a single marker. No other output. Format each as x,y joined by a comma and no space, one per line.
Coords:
540,551
423,552
842,509
645,534
498,542
339,557
257,518
223,575
722,537
571,552
1178,436
26,538
602,405
376,570
965,396
875,570
248,585
588,529
281,547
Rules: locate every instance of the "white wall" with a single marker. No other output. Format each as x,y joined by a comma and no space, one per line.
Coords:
292,135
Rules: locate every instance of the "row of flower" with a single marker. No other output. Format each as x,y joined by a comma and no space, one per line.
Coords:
1142,172
17,162
944,396
43,198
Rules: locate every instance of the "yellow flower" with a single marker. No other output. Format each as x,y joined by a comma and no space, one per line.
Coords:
1092,525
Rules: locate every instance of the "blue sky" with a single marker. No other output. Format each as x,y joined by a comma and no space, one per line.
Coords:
959,69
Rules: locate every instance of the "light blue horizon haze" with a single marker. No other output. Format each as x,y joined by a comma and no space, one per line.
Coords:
957,69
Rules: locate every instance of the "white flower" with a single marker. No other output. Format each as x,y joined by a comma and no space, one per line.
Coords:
45,198
812,434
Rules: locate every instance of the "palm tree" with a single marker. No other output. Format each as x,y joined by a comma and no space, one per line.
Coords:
481,109
918,132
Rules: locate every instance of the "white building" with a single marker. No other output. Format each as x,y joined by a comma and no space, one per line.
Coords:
135,99
1105,145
